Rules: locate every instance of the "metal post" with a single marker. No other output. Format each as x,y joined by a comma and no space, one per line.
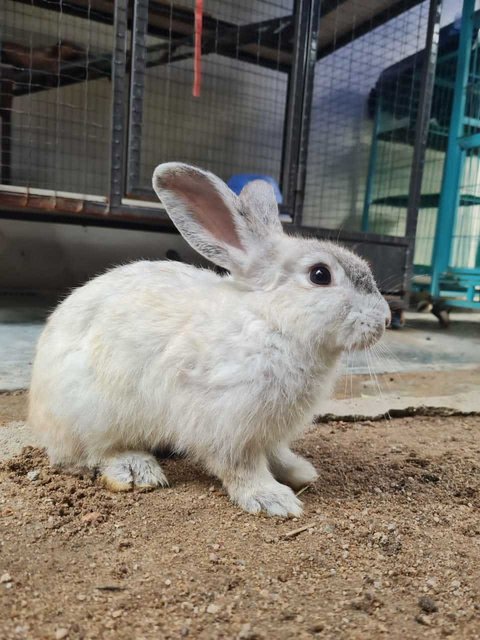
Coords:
427,85
6,100
119,102
372,166
452,169
137,92
299,102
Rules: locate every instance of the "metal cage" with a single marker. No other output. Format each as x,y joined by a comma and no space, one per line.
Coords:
95,93
447,253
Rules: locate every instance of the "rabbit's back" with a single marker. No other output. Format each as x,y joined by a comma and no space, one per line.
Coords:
123,309
102,354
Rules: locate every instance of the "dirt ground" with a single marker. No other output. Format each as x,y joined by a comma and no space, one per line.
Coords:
388,547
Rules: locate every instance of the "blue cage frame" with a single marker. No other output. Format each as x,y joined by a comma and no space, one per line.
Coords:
446,280
458,138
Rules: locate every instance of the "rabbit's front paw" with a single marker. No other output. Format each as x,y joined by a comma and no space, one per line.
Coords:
274,499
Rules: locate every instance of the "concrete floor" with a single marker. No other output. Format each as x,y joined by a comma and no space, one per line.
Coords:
21,322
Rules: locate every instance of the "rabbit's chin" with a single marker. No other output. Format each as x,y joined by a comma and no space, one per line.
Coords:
365,340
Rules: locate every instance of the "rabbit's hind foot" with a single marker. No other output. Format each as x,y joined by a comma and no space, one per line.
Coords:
132,469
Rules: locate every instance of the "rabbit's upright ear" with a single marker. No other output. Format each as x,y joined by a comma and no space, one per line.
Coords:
204,210
260,209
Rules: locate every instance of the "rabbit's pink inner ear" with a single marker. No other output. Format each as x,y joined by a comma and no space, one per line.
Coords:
205,204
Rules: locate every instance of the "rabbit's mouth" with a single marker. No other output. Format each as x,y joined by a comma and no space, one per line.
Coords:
364,334
368,340
366,323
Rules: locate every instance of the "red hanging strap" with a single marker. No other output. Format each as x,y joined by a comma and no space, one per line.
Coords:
197,59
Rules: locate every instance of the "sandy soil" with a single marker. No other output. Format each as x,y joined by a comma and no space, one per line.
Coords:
389,546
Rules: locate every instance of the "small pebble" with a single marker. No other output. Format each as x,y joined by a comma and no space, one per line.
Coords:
213,608
246,632
91,517
427,604
5,577
117,613
61,633
33,475
423,619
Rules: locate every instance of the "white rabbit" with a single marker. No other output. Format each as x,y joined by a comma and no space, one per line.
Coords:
226,369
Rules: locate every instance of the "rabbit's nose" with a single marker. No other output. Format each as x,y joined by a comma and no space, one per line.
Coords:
388,320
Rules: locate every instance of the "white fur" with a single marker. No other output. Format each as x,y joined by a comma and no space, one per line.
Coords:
225,369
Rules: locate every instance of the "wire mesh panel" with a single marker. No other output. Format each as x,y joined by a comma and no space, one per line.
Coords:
440,120
364,98
55,102
439,125
466,236
464,252
236,125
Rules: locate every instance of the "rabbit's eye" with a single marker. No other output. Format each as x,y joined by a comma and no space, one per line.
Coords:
320,274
